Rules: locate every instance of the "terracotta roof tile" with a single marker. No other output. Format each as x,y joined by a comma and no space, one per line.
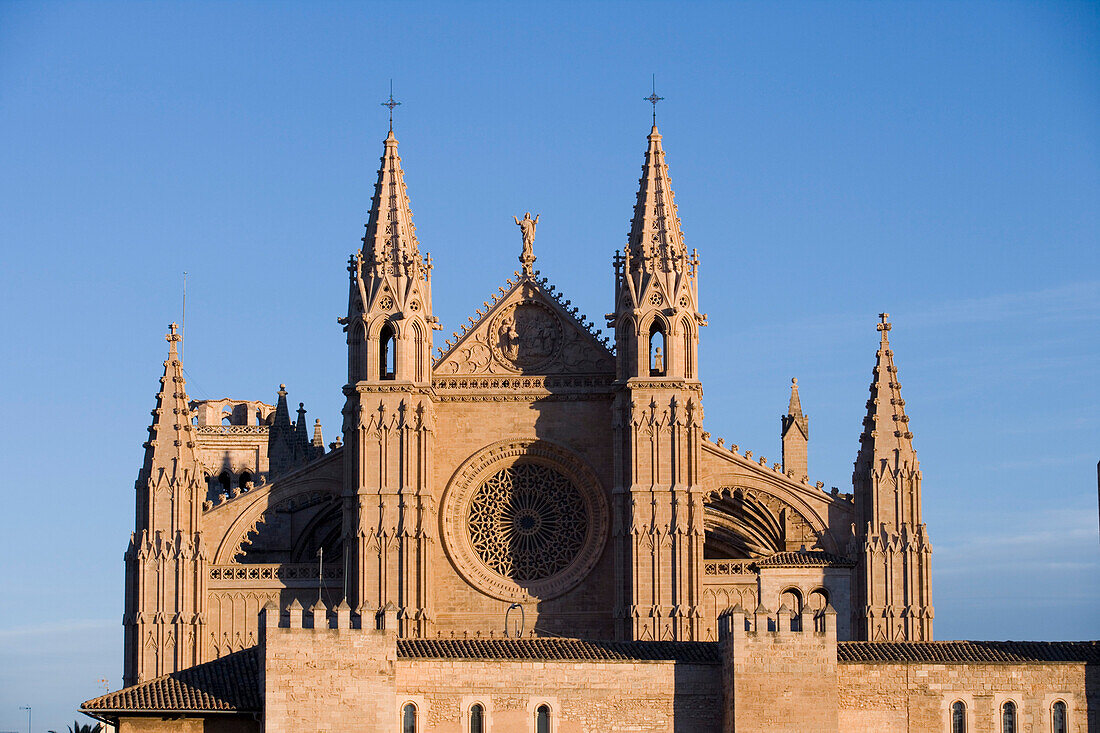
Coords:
232,683
559,649
962,652
805,558
228,684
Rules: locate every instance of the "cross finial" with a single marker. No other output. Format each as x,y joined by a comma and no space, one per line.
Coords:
884,326
653,98
172,335
391,103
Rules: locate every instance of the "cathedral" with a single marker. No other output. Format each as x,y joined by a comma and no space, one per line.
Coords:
529,528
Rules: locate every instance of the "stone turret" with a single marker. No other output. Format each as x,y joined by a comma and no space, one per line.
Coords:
389,414
656,316
390,321
166,559
658,511
796,437
893,589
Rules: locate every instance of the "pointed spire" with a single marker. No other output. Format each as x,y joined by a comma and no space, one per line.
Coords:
886,436
390,246
795,436
794,407
301,437
280,437
171,444
656,242
318,438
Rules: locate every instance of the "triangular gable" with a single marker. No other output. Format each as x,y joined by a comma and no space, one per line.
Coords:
526,330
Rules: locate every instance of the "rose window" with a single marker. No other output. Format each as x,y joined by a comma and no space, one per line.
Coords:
527,522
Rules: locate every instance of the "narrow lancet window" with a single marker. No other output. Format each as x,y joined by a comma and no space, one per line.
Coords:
658,354
477,718
1008,717
408,718
1058,717
958,717
542,719
387,353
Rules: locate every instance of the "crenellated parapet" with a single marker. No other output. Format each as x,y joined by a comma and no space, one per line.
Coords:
762,649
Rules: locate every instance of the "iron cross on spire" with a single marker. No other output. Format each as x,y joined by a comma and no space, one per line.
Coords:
653,98
391,104
884,325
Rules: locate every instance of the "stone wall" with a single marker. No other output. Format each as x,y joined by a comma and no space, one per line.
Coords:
775,679
339,679
913,698
327,679
771,678
582,696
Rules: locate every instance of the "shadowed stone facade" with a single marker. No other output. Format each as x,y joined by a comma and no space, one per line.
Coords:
532,520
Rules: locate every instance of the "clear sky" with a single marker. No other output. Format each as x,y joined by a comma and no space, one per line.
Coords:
940,161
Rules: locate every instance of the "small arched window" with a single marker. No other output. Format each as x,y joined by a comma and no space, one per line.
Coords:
408,718
958,717
477,718
819,598
245,480
1058,717
387,353
792,599
225,481
542,719
658,353
1008,717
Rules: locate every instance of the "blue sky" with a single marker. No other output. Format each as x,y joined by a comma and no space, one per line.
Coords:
940,161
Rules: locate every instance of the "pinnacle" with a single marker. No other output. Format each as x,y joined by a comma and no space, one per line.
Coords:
390,245
171,444
794,408
656,242
886,434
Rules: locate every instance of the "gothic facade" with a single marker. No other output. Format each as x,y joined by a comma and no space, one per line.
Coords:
531,487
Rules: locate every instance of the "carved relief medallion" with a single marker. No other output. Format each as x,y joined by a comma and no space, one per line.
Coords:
524,519
526,336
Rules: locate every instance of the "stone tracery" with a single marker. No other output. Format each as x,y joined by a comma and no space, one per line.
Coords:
524,519
527,522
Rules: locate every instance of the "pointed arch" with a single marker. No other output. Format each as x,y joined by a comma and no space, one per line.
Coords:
387,352
688,340
420,349
357,352
658,350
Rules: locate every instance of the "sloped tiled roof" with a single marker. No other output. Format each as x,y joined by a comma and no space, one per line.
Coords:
963,652
558,649
805,558
226,685
231,684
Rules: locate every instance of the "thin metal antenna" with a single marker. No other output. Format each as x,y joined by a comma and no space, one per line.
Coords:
391,104
653,98
183,316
